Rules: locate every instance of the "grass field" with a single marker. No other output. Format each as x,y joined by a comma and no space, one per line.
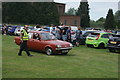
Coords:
81,62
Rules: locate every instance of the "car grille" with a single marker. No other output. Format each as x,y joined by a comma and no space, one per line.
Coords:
65,46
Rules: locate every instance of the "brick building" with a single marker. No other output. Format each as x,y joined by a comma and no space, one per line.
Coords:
70,20
66,19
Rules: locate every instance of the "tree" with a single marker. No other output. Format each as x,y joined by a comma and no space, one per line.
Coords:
83,11
117,19
101,20
110,22
71,11
30,13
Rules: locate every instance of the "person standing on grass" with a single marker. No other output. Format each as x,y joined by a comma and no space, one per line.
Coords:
68,32
78,34
64,37
57,32
24,38
4,29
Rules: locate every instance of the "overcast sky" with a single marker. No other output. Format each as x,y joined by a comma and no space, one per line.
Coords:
98,8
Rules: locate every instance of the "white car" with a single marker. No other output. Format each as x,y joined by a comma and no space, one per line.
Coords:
38,29
17,30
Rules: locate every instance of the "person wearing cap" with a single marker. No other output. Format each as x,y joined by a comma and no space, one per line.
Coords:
24,38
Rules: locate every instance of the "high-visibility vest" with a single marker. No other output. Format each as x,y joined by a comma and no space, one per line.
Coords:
25,35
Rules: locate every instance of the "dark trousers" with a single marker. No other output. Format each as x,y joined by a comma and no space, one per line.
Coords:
23,46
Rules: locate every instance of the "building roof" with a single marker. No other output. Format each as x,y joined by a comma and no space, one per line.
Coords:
60,3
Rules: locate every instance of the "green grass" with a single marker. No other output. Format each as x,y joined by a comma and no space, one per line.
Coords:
81,62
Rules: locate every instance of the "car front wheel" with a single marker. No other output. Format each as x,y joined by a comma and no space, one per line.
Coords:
112,50
49,51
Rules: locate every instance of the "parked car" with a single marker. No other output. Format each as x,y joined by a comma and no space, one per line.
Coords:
46,42
93,29
30,28
38,29
84,35
98,39
11,29
118,33
0,28
17,30
47,29
114,43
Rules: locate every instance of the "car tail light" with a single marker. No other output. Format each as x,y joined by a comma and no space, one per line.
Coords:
98,37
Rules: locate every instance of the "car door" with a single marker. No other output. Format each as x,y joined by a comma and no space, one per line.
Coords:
105,38
33,43
36,44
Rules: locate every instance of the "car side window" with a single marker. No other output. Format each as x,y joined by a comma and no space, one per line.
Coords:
105,36
36,36
110,35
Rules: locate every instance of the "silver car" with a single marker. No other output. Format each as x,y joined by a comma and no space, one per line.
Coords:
17,30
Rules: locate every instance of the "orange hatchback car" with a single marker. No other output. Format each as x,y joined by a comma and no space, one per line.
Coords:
46,42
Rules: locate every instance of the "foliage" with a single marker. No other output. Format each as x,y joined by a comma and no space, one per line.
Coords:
98,24
83,11
110,22
30,13
101,20
117,19
71,11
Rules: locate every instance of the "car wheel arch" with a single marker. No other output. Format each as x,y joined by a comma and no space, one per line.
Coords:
101,45
48,46
102,42
49,49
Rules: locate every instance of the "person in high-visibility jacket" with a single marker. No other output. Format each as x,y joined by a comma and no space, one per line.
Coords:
24,38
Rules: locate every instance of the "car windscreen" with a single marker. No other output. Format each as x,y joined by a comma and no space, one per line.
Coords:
47,36
93,35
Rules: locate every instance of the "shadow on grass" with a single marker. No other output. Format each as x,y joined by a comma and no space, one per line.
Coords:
39,52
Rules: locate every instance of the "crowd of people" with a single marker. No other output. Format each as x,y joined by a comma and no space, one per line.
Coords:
66,34
61,33
4,29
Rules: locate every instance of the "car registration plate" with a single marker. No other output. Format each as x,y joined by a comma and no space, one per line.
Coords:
64,51
113,42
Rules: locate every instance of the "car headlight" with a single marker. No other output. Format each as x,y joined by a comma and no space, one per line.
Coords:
71,45
58,46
